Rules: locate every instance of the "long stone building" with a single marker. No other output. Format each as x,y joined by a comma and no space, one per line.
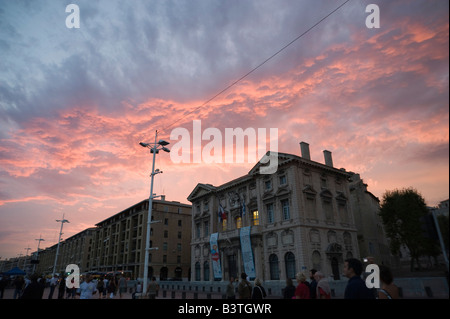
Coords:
273,226
117,244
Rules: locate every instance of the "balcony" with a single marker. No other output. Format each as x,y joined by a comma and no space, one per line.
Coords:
235,233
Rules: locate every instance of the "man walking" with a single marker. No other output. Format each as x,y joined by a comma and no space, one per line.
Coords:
356,286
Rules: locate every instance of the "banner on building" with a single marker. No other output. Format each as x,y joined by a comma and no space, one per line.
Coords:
247,253
215,257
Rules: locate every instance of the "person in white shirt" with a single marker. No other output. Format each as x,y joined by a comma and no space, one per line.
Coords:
87,288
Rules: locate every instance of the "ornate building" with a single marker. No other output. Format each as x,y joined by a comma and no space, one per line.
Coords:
273,226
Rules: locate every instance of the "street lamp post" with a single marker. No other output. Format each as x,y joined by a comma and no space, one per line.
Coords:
62,221
37,253
154,148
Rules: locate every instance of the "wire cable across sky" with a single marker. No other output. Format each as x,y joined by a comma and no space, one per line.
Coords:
257,67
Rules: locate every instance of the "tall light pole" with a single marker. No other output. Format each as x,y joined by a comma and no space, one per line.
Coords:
24,263
154,148
37,253
62,221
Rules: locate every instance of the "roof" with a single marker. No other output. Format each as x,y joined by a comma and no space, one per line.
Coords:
283,158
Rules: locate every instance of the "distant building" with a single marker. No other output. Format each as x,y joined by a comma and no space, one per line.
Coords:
73,250
297,218
118,243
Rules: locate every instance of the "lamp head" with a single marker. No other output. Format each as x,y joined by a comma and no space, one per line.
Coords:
163,143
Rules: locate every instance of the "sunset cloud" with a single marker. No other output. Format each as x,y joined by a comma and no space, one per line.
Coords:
74,104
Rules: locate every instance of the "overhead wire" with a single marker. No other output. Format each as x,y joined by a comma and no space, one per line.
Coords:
257,67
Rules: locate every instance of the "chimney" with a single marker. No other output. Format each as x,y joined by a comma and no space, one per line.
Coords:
328,159
304,147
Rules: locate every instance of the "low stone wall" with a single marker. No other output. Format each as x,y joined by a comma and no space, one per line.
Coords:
410,288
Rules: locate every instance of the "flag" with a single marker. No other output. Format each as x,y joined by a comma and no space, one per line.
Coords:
242,208
222,213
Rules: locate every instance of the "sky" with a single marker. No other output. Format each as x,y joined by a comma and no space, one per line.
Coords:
76,102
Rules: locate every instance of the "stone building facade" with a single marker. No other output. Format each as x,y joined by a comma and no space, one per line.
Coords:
372,239
117,244
298,218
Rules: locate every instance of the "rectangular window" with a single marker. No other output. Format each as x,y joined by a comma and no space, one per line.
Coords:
255,218
285,208
224,225
283,180
270,215
197,230
268,185
238,222
206,226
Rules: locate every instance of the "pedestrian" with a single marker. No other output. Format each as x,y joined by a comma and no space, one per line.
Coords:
356,287
244,287
87,288
3,284
302,290
61,287
137,291
112,287
323,290
105,286
231,291
53,284
312,284
18,283
387,290
258,290
33,290
100,287
122,285
42,284
71,292
289,290
152,288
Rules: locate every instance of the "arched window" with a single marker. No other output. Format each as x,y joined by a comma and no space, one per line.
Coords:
197,271
163,273
289,260
206,271
316,260
273,266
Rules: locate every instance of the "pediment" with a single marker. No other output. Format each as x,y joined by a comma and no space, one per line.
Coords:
282,191
309,190
201,190
260,167
341,197
326,193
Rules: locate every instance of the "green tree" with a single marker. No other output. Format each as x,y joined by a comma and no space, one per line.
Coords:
401,212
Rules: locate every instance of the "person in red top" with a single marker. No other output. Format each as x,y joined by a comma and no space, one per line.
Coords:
302,290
